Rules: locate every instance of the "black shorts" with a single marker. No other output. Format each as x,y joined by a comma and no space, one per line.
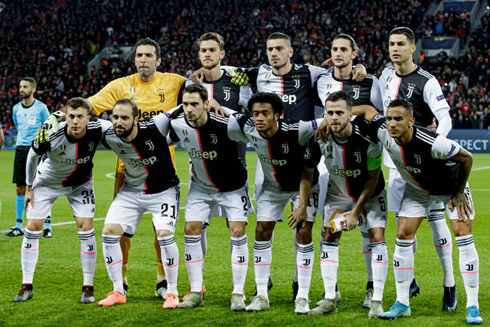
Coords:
20,163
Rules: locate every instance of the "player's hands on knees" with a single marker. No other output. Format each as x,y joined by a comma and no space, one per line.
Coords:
29,197
352,220
218,110
460,203
198,76
238,76
297,217
359,73
322,131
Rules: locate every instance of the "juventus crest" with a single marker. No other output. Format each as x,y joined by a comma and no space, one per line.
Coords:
410,89
357,155
418,158
357,92
227,95
214,138
150,145
285,148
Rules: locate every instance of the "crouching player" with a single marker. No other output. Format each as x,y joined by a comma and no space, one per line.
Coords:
66,170
355,193
435,169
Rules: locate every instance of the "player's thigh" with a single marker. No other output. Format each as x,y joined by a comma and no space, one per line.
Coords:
44,199
164,208
331,213
126,210
82,200
312,206
396,188
375,212
271,204
236,205
198,206
453,215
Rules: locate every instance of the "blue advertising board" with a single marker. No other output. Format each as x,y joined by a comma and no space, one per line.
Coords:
473,140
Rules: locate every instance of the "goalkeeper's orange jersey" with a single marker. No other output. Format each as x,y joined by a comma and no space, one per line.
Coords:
152,98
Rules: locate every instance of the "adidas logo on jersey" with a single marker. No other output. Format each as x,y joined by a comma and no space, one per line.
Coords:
347,172
76,161
142,162
211,155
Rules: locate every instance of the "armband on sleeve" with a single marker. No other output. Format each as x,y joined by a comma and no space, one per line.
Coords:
374,163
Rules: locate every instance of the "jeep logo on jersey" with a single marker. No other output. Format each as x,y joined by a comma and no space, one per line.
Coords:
347,172
142,162
285,148
289,99
151,147
275,162
214,138
76,161
409,168
211,155
227,95
357,154
411,87
357,91
418,158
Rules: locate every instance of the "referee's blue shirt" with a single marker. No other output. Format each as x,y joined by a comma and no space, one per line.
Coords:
28,120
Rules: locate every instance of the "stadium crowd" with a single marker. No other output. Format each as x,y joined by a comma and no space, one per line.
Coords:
55,42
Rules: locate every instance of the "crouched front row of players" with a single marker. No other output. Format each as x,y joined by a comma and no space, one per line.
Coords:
288,157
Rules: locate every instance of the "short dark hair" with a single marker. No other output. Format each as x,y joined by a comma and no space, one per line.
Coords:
197,88
131,103
213,36
353,43
30,80
401,102
148,41
279,35
340,95
403,30
263,97
78,102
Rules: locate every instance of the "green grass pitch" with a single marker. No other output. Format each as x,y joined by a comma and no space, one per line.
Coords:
58,277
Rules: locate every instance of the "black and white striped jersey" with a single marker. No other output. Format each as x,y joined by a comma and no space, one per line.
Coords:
216,166
349,162
365,92
284,155
66,161
419,87
227,94
148,165
295,88
424,161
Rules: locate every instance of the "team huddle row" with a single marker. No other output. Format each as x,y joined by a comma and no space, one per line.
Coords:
430,172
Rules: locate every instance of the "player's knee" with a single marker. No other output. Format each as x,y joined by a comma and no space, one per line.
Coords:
303,234
112,229
165,232
35,225
404,234
237,230
263,232
85,224
377,235
193,228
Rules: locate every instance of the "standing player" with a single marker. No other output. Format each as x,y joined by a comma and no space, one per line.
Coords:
366,92
28,116
435,169
408,81
66,169
153,92
151,184
356,191
281,147
218,178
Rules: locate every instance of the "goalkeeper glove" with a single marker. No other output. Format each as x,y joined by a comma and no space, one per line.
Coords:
42,134
238,76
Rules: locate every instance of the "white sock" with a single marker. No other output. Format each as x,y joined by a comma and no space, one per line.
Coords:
193,261
262,265
29,253
113,260
239,262
443,243
469,264
170,258
367,253
304,265
329,264
403,266
88,255
379,265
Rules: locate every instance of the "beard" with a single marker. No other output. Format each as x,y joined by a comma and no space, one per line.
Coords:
124,133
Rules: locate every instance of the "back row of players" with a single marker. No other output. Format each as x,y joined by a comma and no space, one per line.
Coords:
287,176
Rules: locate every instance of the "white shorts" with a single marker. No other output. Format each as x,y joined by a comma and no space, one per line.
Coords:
271,204
396,188
416,203
128,208
373,215
80,197
235,205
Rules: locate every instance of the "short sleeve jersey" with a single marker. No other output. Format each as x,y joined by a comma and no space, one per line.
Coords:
28,120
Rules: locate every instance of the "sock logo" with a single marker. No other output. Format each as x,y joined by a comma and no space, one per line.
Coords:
27,246
108,260
306,262
90,248
258,259
396,263
188,257
379,257
442,241
170,262
469,267
241,259
324,255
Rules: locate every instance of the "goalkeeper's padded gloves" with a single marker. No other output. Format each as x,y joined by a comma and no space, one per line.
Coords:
238,76
42,134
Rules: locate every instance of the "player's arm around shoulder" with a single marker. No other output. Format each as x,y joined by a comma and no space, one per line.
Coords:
235,127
